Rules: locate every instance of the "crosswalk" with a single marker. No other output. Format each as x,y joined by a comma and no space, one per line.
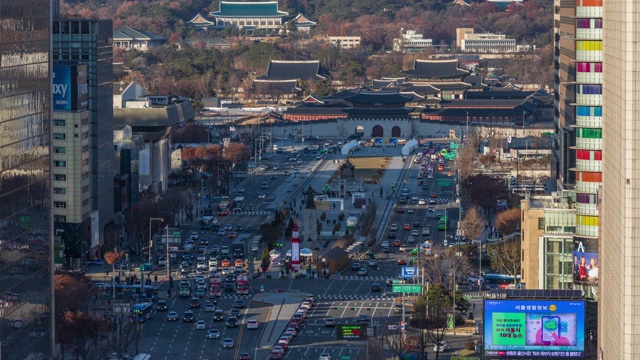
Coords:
356,277
373,297
258,212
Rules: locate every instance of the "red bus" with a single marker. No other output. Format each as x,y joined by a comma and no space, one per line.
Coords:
242,285
224,208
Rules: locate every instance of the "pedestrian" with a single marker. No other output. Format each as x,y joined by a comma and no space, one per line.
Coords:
156,278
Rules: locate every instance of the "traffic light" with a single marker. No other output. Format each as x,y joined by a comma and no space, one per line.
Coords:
354,308
369,309
337,308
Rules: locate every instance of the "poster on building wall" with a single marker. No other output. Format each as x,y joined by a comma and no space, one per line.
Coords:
95,229
145,162
586,265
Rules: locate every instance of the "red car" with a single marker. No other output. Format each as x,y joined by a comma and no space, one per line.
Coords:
406,227
401,262
397,243
400,210
244,356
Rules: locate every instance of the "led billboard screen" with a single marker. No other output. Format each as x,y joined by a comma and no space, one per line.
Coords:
533,329
351,332
70,88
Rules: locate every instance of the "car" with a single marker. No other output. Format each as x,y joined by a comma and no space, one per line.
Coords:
417,224
386,249
403,248
232,235
232,322
362,319
228,227
422,202
414,198
239,228
426,232
249,208
394,227
324,356
290,332
213,334
397,243
278,349
238,262
400,210
194,303
284,344
376,288
411,239
188,316
237,210
372,263
385,243
275,356
441,347
274,177
411,211
299,161
391,235
241,190
194,235
415,233
355,266
218,315
286,173
172,316
285,338
201,325
244,356
401,262
221,232
363,272
235,313
406,227
200,293
215,249
252,324
262,195
294,324
227,343
162,305
209,308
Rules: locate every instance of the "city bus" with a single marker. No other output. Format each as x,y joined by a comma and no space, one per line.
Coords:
501,281
242,285
443,223
141,312
137,292
224,208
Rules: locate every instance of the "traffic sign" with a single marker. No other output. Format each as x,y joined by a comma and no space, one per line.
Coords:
397,282
411,289
409,272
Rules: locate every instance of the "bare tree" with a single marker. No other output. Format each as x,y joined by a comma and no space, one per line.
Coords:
473,223
508,221
465,161
505,257
125,331
441,263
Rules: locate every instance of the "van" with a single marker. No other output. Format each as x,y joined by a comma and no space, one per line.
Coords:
224,251
264,185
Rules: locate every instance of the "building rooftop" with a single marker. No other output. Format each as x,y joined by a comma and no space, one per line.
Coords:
383,97
283,86
249,9
289,69
436,69
127,33
303,21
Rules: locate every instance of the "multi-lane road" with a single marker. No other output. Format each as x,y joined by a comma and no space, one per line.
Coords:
344,296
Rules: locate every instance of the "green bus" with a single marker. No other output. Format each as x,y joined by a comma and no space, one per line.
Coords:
443,223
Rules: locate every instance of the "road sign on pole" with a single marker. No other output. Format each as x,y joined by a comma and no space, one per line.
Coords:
409,272
410,289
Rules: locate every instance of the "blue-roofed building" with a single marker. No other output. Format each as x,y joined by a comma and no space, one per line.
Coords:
252,15
128,38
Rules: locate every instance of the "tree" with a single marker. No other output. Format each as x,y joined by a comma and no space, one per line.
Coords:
505,257
431,312
80,332
484,190
236,153
508,221
465,161
443,262
473,223
112,257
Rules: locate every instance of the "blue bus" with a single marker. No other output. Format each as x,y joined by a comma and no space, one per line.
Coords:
137,292
501,281
141,312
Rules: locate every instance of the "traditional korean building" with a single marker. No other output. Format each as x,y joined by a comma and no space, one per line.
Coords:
200,23
303,23
307,70
249,14
128,38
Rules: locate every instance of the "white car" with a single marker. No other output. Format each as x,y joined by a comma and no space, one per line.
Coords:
394,227
325,356
414,198
252,324
261,195
241,190
194,235
422,202
385,243
426,232
441,347
201,325
411,239
414,233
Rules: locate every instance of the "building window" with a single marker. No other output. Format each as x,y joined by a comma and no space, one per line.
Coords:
85,189
540,223
59,136
59,122
60,218
60,204
85,148
59,191
85,202
59,177
59,163
59,150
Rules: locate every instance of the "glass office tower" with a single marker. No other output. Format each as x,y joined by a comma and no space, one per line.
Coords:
26,296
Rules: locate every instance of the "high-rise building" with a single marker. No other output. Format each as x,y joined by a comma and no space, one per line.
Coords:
619,310
89,42
26,284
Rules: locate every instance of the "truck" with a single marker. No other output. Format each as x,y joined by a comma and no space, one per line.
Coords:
242,285
215,286
185,291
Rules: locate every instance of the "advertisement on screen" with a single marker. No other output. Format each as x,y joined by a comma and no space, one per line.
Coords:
586,266
533,329
70,88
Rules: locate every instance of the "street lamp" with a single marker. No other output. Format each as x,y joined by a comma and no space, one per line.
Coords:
150,220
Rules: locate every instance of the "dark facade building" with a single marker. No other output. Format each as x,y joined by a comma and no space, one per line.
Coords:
89,42
26,264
